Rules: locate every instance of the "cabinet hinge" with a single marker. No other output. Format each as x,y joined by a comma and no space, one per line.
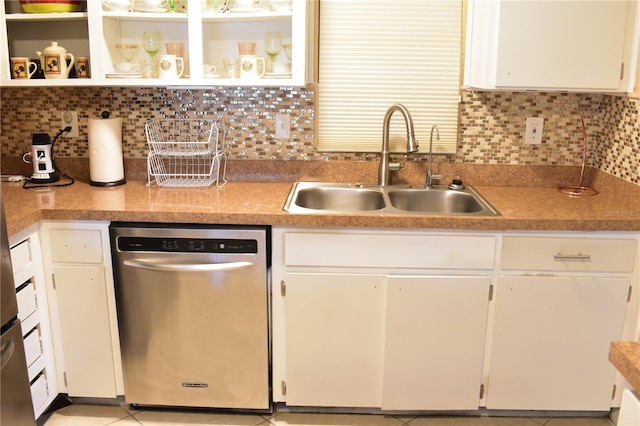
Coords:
621,71
64,375
481,391
613,393
283,387
490,292
629,294
283,288
53,280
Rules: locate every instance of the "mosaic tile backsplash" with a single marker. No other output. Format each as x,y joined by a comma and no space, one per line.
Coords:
492,124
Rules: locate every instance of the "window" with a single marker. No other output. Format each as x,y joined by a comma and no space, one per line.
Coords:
374,53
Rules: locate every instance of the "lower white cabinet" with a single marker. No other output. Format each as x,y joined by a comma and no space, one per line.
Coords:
551,342
434,342
354,331
410,320
335,323
83,313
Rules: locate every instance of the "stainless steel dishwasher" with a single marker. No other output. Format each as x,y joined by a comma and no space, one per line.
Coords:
193,313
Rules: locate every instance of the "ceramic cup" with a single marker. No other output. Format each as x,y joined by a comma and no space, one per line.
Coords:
251,66
126,67
22,68
208,70
170,67
82,67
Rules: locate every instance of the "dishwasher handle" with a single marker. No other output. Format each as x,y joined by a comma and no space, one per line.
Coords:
186,267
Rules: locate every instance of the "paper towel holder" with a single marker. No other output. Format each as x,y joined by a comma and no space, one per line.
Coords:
111,172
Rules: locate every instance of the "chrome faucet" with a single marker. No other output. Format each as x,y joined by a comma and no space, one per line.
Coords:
412,143
431,176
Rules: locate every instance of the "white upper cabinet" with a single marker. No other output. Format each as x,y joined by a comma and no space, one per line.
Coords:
208,36
551,45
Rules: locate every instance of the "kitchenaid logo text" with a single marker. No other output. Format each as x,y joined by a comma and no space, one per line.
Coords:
195,385
618,213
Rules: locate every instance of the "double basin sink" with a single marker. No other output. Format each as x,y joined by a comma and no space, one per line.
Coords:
317,197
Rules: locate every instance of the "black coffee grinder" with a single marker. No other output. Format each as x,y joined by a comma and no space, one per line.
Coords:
42,160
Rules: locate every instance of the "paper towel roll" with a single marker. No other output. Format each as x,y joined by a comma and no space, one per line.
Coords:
105,151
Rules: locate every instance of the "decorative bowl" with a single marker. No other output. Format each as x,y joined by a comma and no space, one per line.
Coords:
50,6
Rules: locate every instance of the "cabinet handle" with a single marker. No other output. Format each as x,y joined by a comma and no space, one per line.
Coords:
578,256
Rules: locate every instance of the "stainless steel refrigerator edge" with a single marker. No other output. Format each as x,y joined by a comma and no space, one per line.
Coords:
15,393
193,314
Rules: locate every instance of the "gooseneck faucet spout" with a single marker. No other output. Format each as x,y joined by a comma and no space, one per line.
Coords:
430,176
412,142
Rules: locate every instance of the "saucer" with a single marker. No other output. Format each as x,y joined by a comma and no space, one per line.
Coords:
245,9
212,75
124,75
277,74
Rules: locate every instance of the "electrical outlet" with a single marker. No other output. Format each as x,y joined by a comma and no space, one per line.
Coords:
533,131
70,118
283,126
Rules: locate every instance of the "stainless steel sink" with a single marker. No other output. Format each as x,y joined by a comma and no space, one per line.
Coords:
435,201
319,197
339,199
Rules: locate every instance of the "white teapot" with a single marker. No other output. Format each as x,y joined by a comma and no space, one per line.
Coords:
53,60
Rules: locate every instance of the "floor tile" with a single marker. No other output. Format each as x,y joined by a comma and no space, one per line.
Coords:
127,421
581,421
175,418
472,421
87,415
305,419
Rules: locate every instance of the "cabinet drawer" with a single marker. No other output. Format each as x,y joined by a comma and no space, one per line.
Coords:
20,256
26,297
76,245
389,250
32,346
39,392
568,254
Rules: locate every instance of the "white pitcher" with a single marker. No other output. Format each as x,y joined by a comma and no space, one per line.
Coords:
249,68
168,66
53,60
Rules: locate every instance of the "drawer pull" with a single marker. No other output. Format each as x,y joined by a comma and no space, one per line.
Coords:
577,256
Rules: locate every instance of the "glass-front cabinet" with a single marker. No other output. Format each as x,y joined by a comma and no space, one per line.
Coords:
111,42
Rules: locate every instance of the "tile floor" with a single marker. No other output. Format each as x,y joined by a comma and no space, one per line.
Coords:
97,415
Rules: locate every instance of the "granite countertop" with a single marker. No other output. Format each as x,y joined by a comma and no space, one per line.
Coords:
616,208
625,356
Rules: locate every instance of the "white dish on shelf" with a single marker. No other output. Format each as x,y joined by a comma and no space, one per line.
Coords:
152,10
277,75
124,75
245,9
212,75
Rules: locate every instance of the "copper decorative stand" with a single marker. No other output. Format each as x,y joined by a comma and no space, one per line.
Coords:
580,189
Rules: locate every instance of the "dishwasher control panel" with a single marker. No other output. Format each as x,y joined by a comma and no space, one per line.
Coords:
187,245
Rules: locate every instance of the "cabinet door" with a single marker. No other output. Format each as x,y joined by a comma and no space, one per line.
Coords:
434,344
335,339
85,331
558,44
551,342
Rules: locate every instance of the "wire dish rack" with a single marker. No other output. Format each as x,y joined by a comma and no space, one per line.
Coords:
186,153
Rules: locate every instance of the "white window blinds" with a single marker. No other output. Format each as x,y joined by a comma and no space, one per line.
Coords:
374,53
